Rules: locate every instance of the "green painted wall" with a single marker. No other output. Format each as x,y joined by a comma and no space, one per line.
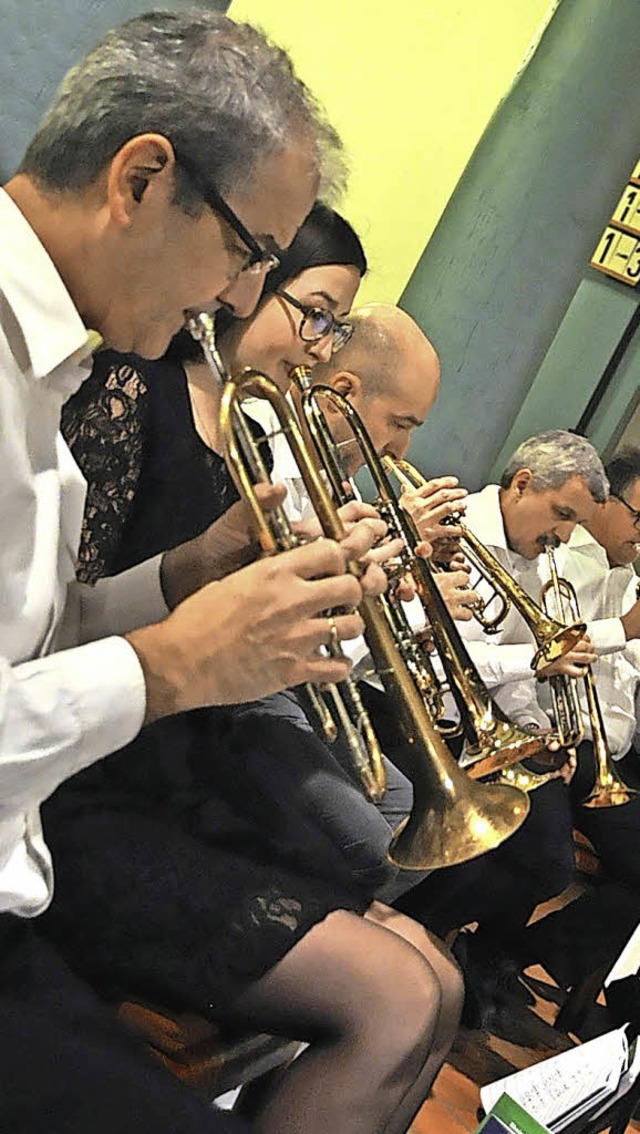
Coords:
507,261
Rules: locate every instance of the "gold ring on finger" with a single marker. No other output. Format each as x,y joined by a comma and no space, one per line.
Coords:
334,638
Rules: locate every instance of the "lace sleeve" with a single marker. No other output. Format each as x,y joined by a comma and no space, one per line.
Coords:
104,426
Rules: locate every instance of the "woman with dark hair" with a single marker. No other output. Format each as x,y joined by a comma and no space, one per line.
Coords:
149,446
191,869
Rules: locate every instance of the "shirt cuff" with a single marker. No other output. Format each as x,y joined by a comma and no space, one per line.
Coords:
103,686
501,664
607,635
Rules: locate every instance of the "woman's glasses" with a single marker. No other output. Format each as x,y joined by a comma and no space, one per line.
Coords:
318,322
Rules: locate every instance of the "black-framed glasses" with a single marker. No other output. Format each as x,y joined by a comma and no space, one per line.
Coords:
318,322
634,511
260,259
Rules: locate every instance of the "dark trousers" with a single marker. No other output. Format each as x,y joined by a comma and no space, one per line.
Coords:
68,1066
501,889
590,932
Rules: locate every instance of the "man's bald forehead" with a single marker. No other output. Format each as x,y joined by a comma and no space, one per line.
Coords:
385,341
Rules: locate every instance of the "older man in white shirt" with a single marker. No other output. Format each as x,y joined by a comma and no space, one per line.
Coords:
598,560
105,226
550,484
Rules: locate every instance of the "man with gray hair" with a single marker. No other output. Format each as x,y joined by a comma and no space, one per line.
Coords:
551,484
179,156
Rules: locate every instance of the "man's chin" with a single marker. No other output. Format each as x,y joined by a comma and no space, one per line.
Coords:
151,346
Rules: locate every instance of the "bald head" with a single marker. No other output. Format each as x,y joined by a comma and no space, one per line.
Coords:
389,371
385,339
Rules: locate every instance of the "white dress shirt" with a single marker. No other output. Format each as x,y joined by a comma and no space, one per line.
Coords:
504,659
603,594
59,711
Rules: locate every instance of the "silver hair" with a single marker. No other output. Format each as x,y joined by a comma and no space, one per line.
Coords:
223,95
554,457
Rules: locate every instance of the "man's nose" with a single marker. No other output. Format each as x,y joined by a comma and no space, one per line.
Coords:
564,530
401,446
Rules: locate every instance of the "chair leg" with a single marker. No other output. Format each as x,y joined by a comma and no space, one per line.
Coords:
580,1001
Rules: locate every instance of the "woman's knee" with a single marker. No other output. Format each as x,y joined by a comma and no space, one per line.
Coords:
409,999
439,958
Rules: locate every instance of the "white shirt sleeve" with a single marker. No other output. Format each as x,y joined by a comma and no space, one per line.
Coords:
519,702
500,663
607,635
62,712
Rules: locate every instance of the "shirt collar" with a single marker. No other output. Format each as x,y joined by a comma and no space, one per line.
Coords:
50,324
580,537
485,515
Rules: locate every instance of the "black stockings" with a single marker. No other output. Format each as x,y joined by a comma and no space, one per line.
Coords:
378,1001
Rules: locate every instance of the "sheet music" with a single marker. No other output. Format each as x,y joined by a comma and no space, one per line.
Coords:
628,962
626,1082
556,1091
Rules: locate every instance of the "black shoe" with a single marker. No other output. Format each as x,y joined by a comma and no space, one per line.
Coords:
520,1026
491,981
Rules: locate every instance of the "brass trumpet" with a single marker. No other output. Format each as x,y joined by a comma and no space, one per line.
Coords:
608,790
274,533
493,742
453,818
553,638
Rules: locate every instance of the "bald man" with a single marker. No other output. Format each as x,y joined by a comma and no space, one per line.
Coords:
390,373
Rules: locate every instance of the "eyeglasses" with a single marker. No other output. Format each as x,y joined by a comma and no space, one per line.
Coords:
634,511
318,322
260,259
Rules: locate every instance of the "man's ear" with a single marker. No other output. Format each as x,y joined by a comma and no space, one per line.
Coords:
346,383
521,481
143,167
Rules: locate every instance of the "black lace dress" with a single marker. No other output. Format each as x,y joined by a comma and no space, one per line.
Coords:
184,868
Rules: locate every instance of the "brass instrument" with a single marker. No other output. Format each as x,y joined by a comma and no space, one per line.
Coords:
493,742
553,639
274,533
454,818
608,790
415,652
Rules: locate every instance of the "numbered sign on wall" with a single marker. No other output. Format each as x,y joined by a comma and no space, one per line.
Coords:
618,251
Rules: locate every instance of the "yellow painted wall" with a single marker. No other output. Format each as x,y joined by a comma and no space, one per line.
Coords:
411,86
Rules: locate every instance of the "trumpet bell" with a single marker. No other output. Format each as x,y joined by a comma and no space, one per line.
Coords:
555,641
609,791
449,827
505,744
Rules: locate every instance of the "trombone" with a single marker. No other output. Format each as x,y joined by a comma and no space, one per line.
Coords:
453,818
608,790
274,533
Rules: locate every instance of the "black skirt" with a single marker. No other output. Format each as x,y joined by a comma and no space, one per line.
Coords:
185,865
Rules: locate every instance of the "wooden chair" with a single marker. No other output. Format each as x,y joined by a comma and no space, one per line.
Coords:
207,1057
587,861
